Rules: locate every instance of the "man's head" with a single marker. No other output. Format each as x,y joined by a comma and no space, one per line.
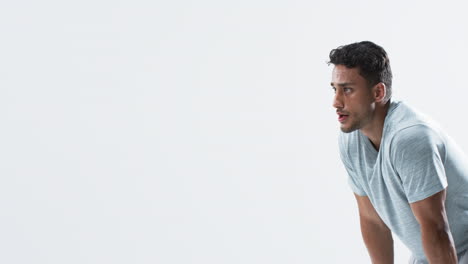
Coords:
362,80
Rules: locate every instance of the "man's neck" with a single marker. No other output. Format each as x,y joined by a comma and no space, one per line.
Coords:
374,130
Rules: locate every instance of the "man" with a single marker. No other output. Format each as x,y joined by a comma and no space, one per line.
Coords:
409,178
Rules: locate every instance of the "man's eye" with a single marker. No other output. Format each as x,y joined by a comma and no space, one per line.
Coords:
347,90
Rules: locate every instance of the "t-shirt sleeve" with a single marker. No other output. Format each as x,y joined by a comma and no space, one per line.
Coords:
355,185
419,157
353,180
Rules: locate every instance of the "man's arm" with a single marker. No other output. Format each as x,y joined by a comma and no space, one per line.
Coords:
377,236
436,236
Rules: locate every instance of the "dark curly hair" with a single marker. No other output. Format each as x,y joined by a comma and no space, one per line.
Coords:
370,58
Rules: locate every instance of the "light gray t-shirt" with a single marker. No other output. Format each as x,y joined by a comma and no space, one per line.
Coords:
416,159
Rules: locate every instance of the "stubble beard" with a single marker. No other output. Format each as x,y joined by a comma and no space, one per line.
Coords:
357,124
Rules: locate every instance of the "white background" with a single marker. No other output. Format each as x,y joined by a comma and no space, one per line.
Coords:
199,131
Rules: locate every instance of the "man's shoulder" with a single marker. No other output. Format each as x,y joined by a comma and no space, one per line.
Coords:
401,115
415,132
416,139
408,127
408,123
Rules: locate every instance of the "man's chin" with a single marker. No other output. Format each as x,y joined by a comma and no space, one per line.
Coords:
348,129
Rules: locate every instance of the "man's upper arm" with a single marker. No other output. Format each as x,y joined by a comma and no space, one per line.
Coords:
367,211
431,211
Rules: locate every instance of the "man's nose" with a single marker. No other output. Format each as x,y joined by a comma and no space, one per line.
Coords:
337,100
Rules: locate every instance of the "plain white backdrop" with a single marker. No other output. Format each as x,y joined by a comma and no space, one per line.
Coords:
199,131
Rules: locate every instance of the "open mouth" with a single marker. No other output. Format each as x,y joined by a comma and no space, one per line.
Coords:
342,118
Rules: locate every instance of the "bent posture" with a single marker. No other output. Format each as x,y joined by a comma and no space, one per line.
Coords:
409,177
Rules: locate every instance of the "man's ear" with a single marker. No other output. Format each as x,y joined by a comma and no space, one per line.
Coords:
379,92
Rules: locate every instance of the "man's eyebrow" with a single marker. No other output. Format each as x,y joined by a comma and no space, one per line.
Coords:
342,84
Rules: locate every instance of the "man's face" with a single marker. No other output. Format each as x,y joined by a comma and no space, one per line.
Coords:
353,98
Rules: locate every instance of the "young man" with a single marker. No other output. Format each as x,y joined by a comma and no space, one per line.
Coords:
408,176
